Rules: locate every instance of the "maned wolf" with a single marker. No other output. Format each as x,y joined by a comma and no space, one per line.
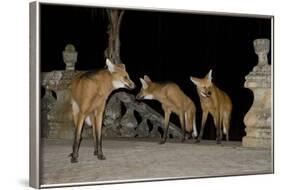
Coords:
173,100
216,102
89,92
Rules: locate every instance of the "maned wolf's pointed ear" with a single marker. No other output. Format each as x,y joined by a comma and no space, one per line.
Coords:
209,76
147,79
194,80
122,66
144,84
110,65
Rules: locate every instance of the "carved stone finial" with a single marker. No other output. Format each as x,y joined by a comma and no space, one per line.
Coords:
70,57
261,49
258,119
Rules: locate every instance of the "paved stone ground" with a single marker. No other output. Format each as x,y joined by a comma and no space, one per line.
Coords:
144,158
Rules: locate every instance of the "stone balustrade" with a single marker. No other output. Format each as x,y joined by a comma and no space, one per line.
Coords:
126,117
123,117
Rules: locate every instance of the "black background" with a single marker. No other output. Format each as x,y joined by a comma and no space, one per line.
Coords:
167,46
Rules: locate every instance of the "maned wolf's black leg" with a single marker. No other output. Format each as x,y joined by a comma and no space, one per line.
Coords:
99,135
226,123
203,122
164,138
166,126
75,148
218,130
95,139
96,144
218,135
182,127
94,136
100,153
77,139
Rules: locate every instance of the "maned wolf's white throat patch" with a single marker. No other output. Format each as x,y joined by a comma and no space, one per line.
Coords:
148,97
118,84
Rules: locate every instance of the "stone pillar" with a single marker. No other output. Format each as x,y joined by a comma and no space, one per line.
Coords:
69,57
258,119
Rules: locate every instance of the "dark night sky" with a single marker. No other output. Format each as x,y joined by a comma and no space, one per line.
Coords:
166,46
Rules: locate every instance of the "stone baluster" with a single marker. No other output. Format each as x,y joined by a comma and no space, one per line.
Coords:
258,119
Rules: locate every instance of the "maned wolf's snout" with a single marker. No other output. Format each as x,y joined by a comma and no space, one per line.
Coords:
206,94
129,85
132,86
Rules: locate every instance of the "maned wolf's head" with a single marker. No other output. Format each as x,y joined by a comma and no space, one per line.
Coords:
146,91
204,85
120,77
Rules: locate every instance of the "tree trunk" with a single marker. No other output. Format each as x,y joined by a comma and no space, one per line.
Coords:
113,50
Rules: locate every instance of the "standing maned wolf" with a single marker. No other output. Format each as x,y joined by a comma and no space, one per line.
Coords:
173,100
89,92
216,102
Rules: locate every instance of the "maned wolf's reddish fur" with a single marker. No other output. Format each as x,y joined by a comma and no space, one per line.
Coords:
89,92
173,100
216,102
